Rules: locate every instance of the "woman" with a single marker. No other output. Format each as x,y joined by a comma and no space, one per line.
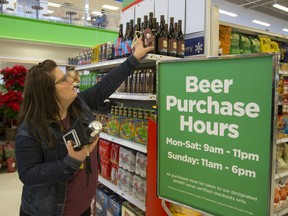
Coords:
54,174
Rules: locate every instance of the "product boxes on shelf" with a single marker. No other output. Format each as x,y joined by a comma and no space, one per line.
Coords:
141,164
139,188
106,169
114,156
113,124
127,159
114,206
114,173
141,131
128,209
105,149
101,202
126,128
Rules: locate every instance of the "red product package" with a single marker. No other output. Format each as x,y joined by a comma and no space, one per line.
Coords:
104,149
106,169
114,157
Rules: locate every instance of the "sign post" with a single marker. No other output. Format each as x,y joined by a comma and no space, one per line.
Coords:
216,133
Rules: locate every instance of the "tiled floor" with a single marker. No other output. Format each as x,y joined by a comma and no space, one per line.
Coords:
10,193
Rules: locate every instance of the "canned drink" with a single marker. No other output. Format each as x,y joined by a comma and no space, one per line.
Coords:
130,112
135,113
121,111
116,110
140,113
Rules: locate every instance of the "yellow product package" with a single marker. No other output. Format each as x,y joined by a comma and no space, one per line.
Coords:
265,43
224,37
274,46
178,210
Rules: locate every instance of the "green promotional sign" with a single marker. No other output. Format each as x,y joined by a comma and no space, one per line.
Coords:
215,133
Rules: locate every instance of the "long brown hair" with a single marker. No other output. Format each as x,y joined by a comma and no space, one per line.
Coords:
40,103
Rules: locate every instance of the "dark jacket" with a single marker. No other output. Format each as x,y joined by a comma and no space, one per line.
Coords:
45,171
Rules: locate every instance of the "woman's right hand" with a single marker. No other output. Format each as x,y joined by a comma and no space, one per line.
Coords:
81,155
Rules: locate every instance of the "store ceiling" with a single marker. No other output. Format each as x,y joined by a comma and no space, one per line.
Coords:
93,4
264,6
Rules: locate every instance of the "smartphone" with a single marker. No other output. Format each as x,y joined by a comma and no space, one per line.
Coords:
73,138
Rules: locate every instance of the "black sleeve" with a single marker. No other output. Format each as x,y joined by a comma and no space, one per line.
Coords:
96,95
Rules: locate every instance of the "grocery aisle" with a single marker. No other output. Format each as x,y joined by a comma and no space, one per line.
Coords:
10,190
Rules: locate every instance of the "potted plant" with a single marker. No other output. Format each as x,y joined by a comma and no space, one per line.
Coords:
11,97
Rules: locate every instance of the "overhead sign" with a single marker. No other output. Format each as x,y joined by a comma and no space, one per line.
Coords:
215,134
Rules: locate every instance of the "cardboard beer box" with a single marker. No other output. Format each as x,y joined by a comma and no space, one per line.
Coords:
128,209
115,206
141,131
126,130
113,125
101,202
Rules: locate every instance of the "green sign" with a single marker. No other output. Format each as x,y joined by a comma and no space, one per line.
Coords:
215,134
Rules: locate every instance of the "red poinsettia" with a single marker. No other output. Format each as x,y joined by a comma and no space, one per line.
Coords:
14,77
10,101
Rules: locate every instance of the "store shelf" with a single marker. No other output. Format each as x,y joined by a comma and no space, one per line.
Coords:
281,173
149,58
284,73
254,31
128,96
121,193
282,212
283,140
123,142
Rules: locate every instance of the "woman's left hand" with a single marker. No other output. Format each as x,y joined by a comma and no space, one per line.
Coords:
141,51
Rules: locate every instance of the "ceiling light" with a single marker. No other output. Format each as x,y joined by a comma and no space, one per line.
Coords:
285,29
50,11
96,13
54,4
261,23
228,13
281,7
110,7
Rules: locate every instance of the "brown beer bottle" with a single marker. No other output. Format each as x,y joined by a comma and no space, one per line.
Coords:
180,41
138,26
156,36
162,39
172,39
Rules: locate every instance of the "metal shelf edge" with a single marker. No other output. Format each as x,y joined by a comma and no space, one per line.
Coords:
123,142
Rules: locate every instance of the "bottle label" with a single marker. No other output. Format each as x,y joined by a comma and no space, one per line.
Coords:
127,47
180,48
118,47
162,45
172,46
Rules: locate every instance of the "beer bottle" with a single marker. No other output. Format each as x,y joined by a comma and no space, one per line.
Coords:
150,22
138,27
156,36
124,49
154,32
144,26
118,43
180,41
172,39
132,28
162,39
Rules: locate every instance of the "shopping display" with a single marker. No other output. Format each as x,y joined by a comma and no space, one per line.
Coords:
234,42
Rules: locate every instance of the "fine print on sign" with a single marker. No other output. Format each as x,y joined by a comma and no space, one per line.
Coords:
214,134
